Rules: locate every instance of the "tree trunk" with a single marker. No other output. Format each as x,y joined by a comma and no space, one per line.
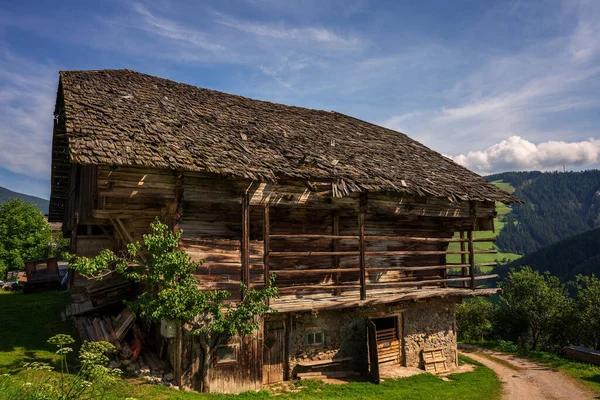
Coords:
206,361
208,346
535,336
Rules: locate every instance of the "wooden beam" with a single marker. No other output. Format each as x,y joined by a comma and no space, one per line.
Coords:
433,281
312,253
471,247
294,288
308,236
382,238
373,253
335,225
266,245
362,263
245,242
427,267
284,272
463,257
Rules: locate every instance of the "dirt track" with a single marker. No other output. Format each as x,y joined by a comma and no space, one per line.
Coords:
525,379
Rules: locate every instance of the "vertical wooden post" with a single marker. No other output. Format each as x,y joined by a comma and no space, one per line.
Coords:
336,248
471,247
363,268
177,356
463,257
245,243
266,245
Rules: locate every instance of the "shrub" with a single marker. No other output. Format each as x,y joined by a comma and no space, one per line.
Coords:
475,318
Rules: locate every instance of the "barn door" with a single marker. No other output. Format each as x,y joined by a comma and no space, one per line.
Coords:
273,352
388,343
373,357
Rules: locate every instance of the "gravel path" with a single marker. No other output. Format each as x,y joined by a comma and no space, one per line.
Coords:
523,379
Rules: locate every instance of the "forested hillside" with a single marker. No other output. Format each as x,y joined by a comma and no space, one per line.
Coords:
6,195
579,254
557,205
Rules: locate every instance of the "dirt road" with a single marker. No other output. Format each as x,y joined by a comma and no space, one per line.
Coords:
525,379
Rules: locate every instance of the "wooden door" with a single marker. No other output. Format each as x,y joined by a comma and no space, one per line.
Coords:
373,356
273,346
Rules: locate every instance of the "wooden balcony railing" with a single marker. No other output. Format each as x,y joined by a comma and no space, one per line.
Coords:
467,253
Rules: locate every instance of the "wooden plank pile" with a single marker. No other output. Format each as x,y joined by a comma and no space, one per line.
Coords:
434,360
106,328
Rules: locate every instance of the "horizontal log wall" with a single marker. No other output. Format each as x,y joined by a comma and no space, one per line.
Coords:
405,238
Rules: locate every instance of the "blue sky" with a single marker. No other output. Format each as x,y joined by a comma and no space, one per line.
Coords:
496,85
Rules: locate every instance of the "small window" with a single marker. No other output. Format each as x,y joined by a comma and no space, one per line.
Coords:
226,354
315,338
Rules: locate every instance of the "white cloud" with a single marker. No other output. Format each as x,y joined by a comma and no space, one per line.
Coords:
516,153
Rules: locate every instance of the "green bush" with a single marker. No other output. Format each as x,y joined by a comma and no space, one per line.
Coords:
475,318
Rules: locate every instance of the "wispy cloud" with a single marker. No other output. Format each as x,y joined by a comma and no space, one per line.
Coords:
312,35
173,30
530,94
27,95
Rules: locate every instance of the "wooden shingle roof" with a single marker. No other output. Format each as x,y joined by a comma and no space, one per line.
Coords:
125,118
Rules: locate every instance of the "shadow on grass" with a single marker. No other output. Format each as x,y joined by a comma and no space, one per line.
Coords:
27,321
24,358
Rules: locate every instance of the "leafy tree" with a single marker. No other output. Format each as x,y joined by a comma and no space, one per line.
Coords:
172,291
475,318
538,300
587,310
25,235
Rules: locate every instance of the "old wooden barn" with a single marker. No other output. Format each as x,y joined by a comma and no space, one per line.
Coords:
354,219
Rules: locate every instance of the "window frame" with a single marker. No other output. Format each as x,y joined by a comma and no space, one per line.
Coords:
313,334
236,350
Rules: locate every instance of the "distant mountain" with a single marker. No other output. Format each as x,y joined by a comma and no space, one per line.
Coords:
41,204
579,254
557,205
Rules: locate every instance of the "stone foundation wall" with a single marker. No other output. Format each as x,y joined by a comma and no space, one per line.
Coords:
426,324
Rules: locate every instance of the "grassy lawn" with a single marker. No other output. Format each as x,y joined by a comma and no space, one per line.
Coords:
586,373
27,321
502,210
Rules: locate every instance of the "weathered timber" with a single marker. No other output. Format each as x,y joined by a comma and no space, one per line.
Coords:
245,241
266,244
471,245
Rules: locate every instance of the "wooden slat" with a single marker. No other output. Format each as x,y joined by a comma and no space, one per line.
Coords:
312,253
373,253
307,236
463,257
471,247
380,238
284,272
288,289
430,281
335,230
425,239
362,263
245,243
266,245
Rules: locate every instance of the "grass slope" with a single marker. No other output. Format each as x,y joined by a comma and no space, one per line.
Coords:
502,210
26,321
